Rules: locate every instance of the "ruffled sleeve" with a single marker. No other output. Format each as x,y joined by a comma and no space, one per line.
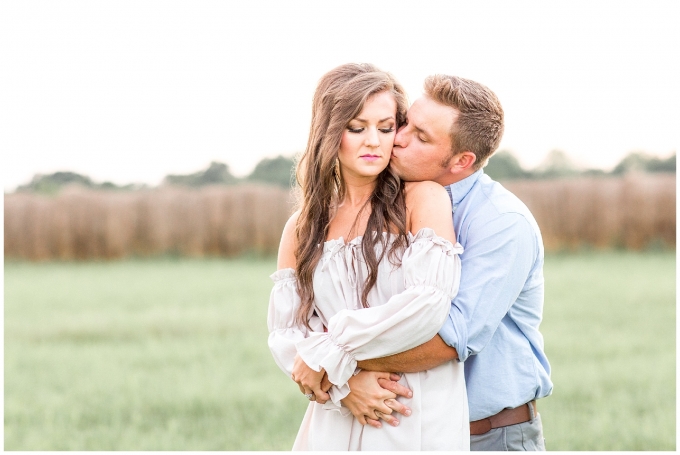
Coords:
431,269
284,302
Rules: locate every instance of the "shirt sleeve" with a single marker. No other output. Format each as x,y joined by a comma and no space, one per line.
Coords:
431,268
284,302
499,255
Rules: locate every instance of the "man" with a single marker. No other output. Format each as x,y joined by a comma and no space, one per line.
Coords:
493,324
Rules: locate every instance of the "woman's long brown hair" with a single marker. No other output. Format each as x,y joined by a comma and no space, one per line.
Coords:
340,96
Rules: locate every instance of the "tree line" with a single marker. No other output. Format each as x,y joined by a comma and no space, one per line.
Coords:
279,171
503,165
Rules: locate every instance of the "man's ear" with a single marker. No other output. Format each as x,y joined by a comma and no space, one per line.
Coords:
462,162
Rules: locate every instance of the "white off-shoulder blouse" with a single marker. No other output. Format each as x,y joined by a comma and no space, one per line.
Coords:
407,307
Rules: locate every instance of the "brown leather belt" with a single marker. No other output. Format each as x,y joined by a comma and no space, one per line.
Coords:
504,418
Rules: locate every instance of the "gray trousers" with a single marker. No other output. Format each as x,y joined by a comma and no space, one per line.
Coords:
519,437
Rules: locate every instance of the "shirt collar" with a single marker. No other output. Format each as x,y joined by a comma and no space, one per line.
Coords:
460,189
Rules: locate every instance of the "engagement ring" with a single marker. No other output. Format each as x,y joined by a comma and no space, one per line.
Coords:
310,396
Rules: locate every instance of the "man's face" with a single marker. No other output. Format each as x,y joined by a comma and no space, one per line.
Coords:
423,144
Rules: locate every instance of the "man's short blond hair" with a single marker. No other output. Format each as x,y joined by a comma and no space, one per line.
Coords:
479,126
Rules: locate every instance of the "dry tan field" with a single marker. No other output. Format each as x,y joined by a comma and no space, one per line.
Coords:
634,212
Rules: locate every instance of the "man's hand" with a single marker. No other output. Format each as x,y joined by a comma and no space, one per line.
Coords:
376,391
309,380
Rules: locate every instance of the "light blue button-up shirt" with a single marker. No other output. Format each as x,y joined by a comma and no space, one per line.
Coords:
494,319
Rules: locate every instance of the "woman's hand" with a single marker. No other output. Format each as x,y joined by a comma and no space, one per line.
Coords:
309,381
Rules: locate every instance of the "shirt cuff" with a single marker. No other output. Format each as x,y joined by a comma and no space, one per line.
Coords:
319,351
454,332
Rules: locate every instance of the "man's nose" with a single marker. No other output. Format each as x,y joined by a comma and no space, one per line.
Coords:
400,137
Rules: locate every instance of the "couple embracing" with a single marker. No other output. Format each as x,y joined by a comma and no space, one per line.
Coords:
409,288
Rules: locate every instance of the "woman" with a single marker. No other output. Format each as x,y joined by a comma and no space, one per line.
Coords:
385,290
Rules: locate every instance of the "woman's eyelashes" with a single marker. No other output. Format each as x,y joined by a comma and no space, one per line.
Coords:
361,130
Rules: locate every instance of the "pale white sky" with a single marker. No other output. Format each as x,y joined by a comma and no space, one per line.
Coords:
130,91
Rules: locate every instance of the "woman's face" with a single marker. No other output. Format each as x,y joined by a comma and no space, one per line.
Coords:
366,144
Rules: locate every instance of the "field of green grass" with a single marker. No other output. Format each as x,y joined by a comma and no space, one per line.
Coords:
169,354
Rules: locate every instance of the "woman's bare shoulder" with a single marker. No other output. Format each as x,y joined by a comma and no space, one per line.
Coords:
429,206
288,245
424,192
